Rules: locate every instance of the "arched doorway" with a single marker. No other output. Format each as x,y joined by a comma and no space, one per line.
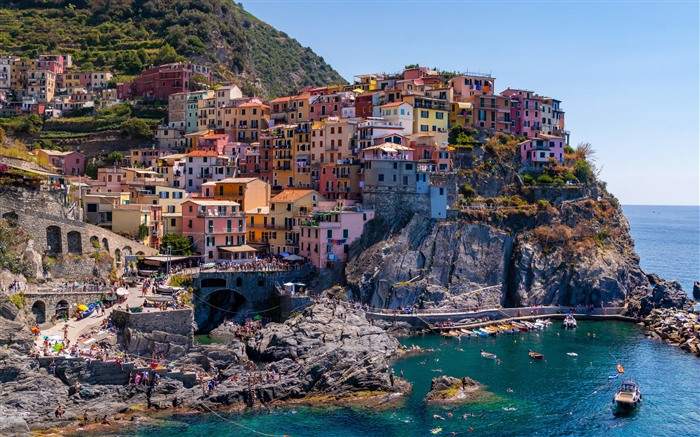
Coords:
62,309
75,242
105,244
217,306
118,255
95,242
53,239
39,312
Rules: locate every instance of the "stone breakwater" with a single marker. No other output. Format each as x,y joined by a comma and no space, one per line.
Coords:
327,354
680,328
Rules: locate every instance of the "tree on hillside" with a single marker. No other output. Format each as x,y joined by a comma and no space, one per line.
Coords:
137,128
167,55
179,244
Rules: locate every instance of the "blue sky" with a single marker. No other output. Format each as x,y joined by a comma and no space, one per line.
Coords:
627,72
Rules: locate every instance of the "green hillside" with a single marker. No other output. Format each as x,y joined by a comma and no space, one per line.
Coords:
126,36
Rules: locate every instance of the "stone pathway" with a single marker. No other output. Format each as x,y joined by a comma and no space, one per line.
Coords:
75,328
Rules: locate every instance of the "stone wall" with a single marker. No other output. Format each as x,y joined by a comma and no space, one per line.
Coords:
42,217
173,321
393,204
44,304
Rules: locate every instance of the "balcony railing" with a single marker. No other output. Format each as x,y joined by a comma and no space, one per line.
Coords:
215,213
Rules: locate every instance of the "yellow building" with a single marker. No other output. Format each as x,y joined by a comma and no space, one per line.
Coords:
302,154
127,219
461,114
206,113
286,210
99,207
429,114
299,106
281,141
258,228
250,193
247,120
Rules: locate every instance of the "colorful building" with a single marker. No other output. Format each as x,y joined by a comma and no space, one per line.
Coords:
542,150
217,229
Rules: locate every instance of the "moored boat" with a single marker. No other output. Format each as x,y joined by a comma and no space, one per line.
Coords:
481,333
521,326
488,355
628,396
535,355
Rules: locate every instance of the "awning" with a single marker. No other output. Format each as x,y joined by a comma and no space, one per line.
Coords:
294,258
389,149
158,260
238,249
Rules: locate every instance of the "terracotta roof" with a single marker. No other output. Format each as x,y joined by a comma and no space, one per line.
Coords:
237,180
291,195
281,99
394,104
249,104
202,153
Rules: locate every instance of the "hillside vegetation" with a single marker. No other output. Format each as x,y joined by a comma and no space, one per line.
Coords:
126,36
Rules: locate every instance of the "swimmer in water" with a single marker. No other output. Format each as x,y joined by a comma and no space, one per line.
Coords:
449,415
437,416
510,390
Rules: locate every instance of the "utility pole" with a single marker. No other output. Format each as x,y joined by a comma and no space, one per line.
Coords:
170,253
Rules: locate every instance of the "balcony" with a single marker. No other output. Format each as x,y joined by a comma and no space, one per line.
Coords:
283,227
216,213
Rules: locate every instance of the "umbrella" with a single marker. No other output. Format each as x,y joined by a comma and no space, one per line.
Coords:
294,257
82,307
122,292
283,254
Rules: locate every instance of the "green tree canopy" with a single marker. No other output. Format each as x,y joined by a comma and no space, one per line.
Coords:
179,244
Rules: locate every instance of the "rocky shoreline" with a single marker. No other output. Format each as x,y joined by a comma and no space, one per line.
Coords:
677,327
328,354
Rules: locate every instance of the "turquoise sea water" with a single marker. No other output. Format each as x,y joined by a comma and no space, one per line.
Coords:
562,396
667,239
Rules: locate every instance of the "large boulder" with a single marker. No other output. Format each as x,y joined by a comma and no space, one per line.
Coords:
448,389
696,290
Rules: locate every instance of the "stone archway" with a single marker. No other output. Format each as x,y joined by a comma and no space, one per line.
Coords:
140,253
62,309
95,242
54,241
75,242
117,255
39,312
11,218
105,244
127,250
217,306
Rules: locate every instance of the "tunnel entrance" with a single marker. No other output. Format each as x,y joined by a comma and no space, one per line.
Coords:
217,307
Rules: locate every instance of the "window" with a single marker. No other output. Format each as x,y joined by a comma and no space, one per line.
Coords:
329,233
380,177
345,233
439,115
424,114
189,224
173,222
424,128
409,166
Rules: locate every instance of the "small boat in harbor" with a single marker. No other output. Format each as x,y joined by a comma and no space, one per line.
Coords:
481,332
535,355
628,396
572,354
620,369
569,322
488,355
520,326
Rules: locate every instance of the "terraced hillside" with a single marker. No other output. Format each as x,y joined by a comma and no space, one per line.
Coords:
126,36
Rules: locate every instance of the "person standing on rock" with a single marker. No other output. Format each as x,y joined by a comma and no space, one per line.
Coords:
391,377
59,412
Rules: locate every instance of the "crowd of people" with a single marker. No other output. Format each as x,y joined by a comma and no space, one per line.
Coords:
269,263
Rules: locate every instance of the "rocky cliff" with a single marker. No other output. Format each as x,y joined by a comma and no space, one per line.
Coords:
576,253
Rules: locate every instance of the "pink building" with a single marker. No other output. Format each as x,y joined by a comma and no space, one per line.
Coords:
538,152
327,233
217,228
67,163
216,143
524,112
162,81
55,63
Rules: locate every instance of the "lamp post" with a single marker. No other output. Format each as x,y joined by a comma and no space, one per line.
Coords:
169,253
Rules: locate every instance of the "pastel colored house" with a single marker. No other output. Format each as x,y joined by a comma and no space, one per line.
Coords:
491,112
68,163
429,114
217,229
286,208
162,81
399,113
326,234
469,85
524,112
249,193
540,151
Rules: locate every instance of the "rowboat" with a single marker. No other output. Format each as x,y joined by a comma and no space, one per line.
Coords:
620,369
481,333
535,355
488,355
491,330
628,397
168,289
468,332
521,326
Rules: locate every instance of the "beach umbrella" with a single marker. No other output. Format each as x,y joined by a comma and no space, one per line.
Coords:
294,257
57,347
82,307
122,292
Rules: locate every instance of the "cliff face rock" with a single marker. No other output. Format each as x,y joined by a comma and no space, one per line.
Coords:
448,389
430,263
578,252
